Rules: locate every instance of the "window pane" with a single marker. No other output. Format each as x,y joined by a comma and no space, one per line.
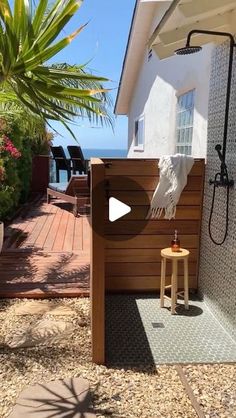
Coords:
178,135
188,117
184,123
191,98
136,133
191,116
182,119
182,136
191,134
140,132
185,101
187,136
188,100
180,103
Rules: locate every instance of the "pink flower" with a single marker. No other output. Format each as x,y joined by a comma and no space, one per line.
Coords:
9,147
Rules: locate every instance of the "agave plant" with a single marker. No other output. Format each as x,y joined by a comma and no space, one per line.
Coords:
29,37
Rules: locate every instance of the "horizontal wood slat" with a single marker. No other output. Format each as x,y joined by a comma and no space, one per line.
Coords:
139,198
148,167
144,269
142,283
147,183
153,227
134,255
150,241
182,212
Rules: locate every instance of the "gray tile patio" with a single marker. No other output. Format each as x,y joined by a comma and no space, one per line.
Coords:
138,331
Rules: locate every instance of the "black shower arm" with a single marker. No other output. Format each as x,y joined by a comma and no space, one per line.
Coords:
231,53
210,32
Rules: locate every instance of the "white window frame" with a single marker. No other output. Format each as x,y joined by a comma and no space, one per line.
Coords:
139,144
185,130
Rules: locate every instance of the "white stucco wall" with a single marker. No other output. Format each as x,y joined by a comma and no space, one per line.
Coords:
155,96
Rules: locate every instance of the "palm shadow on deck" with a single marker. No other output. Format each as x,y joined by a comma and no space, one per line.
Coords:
139,332
46,253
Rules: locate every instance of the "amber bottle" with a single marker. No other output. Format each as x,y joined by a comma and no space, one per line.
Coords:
175,243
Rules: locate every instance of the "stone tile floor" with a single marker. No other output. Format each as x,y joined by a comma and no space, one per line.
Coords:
138,331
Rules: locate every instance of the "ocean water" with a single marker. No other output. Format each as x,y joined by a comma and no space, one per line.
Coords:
104,153
88,154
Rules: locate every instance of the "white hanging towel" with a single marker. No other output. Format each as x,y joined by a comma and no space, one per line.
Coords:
174,170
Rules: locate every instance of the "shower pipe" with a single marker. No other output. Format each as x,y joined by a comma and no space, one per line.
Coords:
223,180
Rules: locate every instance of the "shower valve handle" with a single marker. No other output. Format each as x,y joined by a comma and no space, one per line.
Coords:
218,149
223,182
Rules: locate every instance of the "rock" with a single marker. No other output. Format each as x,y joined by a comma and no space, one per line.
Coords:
39,307
62,310
68,397
36,307
42,332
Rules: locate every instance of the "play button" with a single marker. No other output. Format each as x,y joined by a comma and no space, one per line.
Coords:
121,208
117,209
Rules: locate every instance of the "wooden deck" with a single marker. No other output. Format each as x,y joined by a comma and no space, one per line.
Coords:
46,253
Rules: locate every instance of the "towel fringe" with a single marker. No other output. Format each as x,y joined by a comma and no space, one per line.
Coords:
154,213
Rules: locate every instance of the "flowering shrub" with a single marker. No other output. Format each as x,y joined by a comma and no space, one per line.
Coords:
18,143
8,149
9,179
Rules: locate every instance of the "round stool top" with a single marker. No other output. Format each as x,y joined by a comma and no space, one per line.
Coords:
168,253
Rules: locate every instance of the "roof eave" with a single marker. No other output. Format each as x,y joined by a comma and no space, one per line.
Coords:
125,57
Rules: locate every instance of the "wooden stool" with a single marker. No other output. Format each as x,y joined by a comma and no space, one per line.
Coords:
167,254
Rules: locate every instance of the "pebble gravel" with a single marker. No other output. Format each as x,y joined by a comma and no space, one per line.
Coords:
147,392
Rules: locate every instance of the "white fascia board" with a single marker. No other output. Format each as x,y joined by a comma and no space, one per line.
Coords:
136,48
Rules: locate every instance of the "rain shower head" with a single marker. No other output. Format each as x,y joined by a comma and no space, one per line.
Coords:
187,50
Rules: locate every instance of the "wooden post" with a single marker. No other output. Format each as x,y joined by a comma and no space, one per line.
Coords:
174,285
163,283
186,295
40,173
97,261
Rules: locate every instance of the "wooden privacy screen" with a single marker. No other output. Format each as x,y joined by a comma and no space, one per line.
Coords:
132,262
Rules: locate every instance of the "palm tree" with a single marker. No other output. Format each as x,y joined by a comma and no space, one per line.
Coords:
28,39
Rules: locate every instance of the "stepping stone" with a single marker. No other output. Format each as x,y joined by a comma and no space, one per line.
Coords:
61,310
33,307
60,398
44,332
42,307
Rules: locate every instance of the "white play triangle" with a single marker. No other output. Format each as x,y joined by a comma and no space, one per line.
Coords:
117,209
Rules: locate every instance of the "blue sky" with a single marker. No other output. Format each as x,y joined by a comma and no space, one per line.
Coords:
103,42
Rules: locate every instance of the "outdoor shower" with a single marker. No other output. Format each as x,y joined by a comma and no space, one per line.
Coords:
221,178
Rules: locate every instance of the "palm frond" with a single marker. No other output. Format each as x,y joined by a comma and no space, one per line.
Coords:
29,37
11,108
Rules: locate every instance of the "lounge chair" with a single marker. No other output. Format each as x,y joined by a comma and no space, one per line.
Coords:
62,163
77,159
76,191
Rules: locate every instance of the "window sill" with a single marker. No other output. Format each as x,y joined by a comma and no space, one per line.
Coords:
139,148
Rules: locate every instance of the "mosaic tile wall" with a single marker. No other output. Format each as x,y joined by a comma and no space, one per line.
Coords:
217,275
